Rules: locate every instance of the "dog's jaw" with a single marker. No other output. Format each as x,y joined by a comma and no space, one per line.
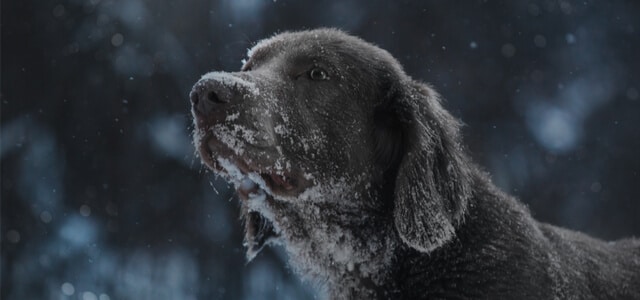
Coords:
350,267
329,239
350,254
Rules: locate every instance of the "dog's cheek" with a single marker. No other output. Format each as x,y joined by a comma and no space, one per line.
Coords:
305,147
389,136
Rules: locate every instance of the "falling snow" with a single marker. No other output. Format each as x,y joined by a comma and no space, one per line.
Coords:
104,197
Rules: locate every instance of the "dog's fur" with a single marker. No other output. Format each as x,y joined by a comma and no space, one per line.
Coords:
358,171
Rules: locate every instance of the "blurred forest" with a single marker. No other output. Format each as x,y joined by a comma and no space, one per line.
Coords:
102,196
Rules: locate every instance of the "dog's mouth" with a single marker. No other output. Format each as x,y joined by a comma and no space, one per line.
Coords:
220,158
258,188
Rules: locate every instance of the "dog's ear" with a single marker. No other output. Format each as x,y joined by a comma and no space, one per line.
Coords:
433,181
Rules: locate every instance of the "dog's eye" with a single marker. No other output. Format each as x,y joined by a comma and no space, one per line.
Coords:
318,74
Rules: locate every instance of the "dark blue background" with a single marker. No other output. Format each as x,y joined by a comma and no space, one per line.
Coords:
104,198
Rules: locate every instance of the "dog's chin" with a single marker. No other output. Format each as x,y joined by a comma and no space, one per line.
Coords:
259,229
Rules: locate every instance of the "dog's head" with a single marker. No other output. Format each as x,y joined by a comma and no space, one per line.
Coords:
322,132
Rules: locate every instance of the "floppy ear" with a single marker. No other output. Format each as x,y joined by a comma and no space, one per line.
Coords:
433,181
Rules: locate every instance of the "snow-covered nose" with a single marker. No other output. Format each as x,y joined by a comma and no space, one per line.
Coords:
216,89
209,95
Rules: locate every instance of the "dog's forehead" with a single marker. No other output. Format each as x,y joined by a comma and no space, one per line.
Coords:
319,42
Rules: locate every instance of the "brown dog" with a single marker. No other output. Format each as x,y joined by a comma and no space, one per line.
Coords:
357,170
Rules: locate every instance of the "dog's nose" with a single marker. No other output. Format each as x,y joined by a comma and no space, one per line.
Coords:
209,95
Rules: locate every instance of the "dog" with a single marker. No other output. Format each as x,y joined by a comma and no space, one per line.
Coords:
359,172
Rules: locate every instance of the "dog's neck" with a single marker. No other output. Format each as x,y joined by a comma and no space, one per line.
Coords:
354,257
350,257
487,242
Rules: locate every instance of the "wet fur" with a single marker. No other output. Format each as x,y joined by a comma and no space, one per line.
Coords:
415,218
